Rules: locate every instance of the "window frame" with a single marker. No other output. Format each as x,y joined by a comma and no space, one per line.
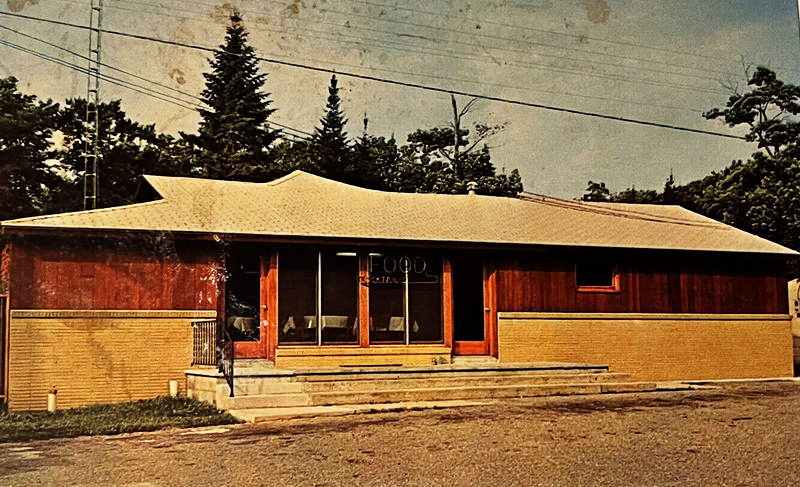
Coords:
613,288
318,303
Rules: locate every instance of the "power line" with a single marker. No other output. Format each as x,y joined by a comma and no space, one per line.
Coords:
484,83
521,64
350,15
599,209
579,37
133,86
471,45
291,128
524,65
194,106
394,82
104,77
105,65
532,43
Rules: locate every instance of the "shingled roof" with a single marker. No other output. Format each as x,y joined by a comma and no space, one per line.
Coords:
303,205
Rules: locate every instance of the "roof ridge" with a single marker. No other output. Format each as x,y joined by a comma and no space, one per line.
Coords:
590,207
83,212
290,176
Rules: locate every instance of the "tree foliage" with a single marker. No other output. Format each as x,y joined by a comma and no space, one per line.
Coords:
26,126
769,111
429,162
42,145
127,150
762,194
431,168
596,192
234,136
329,143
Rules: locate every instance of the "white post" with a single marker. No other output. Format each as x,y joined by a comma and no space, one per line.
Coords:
173,388
51,401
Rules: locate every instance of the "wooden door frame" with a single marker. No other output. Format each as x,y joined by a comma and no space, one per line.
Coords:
489,344
264,348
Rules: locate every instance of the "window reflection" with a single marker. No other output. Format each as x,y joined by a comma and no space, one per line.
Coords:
318,297
339,297
242,291
425,301
297,294
405,298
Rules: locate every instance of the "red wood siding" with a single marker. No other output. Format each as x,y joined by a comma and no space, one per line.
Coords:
5,266
538,282
105,274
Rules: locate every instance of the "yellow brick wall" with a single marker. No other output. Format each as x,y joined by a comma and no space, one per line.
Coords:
97,356
653,346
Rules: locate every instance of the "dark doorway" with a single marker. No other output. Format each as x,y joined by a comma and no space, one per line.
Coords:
469,331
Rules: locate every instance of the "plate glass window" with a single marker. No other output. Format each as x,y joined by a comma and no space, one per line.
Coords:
405,298
339,297
297,292
318,297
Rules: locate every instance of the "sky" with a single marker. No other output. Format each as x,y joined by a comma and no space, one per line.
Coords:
660,61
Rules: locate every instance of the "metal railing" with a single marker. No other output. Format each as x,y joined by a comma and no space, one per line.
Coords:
212,345
204,342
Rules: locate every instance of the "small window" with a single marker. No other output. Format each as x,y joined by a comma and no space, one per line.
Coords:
594,276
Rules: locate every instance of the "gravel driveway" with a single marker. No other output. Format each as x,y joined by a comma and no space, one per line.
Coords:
742,435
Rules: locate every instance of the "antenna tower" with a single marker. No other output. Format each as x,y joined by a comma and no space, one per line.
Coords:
91,151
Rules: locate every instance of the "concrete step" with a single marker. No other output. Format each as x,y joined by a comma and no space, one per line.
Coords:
429,394
317,376
474,359
263,401
367,384
473,393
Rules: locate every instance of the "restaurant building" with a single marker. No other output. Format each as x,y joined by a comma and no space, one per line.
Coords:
304,272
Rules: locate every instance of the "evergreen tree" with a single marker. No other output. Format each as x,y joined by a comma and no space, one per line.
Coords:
26,125
376,161
334,154
234,135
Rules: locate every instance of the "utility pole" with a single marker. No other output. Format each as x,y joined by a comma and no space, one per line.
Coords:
91,151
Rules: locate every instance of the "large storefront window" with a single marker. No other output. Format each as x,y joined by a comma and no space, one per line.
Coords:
405,298
318,300
318,297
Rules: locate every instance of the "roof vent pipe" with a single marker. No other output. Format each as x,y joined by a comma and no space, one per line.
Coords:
471,187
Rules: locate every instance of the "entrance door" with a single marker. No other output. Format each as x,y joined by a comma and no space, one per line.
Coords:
469,325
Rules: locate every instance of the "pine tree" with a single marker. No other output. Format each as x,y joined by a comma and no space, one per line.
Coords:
234,136
330,140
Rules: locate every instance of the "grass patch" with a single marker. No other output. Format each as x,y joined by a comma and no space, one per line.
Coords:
110,419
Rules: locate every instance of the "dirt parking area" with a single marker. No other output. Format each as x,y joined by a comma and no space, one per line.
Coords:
738,435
